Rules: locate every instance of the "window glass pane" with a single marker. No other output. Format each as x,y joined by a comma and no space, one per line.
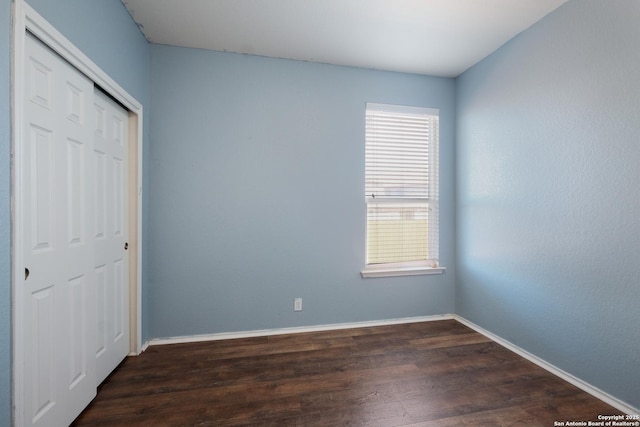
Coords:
396,232
401,183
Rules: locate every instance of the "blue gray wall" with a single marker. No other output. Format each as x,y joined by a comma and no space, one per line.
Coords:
257,171
5,214
548,237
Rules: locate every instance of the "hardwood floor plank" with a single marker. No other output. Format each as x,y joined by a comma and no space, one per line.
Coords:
448,341
445,405
503,417
420,374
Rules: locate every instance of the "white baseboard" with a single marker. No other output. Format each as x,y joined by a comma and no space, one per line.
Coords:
295,330
594,391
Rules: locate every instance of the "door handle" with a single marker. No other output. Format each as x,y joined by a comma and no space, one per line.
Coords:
26,273
126,245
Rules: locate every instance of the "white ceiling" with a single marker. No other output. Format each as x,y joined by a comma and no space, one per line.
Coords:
433,37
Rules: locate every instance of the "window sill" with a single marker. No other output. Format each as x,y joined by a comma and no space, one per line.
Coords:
386,271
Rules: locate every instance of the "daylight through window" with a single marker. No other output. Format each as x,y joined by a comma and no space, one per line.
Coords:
401,185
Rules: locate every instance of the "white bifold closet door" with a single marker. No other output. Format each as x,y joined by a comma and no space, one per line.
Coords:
75,295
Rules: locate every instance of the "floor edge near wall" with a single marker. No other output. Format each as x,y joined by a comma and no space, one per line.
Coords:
295,330
584,386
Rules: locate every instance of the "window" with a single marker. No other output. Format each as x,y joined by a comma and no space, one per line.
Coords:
401,190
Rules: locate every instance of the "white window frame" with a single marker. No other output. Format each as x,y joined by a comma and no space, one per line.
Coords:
409,268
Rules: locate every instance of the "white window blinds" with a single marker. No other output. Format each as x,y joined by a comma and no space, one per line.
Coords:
401,184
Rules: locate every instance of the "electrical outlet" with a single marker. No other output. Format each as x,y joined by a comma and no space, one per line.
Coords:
297,304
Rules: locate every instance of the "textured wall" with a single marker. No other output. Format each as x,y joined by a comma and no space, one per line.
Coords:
257,182
548,235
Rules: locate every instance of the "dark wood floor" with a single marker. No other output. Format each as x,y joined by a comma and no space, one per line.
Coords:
420,374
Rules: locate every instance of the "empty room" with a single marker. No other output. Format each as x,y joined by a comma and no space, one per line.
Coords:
319,212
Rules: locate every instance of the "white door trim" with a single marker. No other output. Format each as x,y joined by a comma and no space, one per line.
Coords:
26,19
